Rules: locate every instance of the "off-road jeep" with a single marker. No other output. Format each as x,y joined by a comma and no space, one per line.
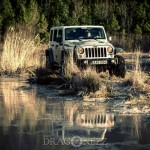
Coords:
89,46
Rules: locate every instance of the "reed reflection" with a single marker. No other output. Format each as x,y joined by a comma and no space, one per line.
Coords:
19,105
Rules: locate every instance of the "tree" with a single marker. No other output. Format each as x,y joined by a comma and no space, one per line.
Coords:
113,24
138,30
6,16
113,15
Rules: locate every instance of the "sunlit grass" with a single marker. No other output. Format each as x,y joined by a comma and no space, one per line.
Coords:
21,50
136,78
138,83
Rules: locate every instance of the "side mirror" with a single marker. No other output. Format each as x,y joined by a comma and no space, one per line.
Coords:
59,39
109,38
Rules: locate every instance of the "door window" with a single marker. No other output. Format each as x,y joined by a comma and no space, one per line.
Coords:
51,35
55,35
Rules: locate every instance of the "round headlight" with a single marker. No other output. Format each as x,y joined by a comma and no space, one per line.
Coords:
109,49
80,50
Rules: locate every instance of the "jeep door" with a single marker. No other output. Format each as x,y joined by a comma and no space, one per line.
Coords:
59,45
56,45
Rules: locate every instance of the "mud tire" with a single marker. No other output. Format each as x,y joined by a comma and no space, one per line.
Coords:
119,69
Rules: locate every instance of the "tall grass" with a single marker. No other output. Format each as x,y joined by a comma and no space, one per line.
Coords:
139,77
137,74
20,50
91,81
136,77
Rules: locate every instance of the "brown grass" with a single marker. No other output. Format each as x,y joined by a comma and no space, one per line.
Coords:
136,78
93,84
21,49
91,79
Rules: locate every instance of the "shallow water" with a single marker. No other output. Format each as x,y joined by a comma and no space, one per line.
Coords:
32,118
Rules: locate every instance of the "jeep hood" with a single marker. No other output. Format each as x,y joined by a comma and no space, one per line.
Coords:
87,42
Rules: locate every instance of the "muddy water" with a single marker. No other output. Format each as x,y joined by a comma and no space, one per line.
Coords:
32,118
143,61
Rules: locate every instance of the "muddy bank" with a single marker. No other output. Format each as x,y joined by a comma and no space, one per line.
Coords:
127,95
124,97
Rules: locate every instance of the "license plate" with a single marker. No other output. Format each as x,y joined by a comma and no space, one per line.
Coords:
98,62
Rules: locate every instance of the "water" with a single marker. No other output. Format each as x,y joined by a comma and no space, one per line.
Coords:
32,118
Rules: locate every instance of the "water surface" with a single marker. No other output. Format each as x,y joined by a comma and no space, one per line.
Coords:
33,118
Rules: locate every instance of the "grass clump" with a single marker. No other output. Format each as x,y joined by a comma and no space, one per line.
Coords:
136,78
91,80
138,84
21,50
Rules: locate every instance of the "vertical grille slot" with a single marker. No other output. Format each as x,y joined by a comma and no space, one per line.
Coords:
95,52
92,52
102,52
99,52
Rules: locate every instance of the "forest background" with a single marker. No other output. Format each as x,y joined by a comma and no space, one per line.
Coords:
127,21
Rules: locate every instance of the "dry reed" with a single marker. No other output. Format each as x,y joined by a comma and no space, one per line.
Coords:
20,50
136,78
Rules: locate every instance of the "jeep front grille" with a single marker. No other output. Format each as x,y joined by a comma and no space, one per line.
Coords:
95,52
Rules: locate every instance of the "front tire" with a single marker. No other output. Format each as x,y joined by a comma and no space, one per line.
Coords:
48,63
49,59
119,69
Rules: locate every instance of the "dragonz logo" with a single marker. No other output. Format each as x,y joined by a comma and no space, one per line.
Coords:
75,141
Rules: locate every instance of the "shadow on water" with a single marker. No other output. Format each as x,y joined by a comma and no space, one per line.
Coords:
31,120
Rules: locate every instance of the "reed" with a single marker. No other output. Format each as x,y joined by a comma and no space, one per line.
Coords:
21,49
136,77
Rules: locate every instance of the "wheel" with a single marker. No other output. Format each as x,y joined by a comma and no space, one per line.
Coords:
48,63
111,70
49,59
120,68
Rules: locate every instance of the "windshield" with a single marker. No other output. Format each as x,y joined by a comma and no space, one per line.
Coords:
84,33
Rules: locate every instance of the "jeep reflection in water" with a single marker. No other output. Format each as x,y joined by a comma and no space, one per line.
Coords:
89,47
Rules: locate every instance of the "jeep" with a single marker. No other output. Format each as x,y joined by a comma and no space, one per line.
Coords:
89,46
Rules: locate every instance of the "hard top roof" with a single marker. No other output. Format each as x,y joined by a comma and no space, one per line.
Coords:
82,26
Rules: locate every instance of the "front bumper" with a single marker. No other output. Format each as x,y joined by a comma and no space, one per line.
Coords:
92,62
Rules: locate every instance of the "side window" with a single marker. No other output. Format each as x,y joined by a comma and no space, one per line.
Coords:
51,35
55,35
60,36
60,33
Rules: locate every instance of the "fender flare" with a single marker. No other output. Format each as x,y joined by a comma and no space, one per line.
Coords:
118,50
